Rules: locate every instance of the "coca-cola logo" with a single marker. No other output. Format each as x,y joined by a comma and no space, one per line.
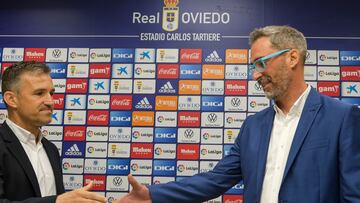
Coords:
77,133
121,102
101,117
190,56
171,71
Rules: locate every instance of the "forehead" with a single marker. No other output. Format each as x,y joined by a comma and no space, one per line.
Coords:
261,47
30,80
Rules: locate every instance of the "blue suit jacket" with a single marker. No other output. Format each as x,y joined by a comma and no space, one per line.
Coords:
323,165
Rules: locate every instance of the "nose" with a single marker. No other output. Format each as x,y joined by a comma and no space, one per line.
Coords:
49,101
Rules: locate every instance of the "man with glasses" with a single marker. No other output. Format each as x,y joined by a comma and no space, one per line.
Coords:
305,148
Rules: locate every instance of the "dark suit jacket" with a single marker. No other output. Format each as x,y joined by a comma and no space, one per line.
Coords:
323,165
18,181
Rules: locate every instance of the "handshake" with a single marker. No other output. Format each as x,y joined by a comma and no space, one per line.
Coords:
139,194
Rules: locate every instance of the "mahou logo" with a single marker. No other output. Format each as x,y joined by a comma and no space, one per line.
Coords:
121,102
236,87
139,150
329,88
100,70
58,100
35,54
98,181
188,151
189,119
190,55
168,71
76,86
74,133
98,118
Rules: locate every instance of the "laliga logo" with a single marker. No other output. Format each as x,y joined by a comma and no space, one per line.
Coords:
170,20
73,54
93,55
322,57
181,168
90,133
66,165
92,101
134,167
229,120
206,136
158,151
45,133
136,134
161,119
91,150
138,71
253,104
204,151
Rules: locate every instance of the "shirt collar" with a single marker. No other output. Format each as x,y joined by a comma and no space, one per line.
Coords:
298,106
23,135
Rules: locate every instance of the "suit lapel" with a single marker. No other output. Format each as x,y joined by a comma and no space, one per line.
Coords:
53,158
308,115
15,147
265,132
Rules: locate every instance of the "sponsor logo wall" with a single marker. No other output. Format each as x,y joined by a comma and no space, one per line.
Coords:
161,113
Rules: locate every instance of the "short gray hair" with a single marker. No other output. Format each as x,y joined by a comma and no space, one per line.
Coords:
281,37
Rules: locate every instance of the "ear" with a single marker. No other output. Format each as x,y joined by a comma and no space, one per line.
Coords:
10,99
294,58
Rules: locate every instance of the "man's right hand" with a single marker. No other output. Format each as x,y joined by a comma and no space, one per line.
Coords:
139,194
81,195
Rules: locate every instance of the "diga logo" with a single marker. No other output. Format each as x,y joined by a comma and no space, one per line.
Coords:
166,103
189,86
143,118
213,72
236,56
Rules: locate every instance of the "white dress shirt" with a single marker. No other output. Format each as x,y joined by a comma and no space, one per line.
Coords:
282,135
38,158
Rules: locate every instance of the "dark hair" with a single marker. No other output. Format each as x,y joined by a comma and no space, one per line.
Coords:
11,76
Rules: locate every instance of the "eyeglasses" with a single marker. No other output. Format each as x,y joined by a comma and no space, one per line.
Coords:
260,64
